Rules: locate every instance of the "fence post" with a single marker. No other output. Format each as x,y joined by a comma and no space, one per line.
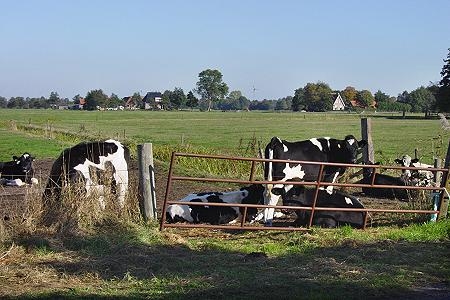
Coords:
147,195
366,134
435,193
443,206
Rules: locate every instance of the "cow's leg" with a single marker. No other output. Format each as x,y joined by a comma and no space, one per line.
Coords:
121,178
272,195
99,191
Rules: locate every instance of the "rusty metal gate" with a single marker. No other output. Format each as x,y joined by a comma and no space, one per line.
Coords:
318,183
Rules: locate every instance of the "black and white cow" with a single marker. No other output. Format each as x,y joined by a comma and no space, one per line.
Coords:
424,177
384,179
215,215
79,163
317,150
300,196
19,171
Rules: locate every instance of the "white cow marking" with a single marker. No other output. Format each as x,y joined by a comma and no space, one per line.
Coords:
348,200
316,143
295,172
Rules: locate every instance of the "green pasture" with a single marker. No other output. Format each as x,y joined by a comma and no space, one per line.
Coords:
116,256
237,133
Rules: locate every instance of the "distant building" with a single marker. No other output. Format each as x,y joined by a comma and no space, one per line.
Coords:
129,102
338,103
153,100
80,105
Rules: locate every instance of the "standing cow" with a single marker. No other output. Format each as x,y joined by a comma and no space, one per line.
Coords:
76,164
317,150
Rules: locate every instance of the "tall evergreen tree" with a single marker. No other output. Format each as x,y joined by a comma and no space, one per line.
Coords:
443,96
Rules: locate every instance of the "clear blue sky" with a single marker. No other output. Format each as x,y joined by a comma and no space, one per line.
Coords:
123,47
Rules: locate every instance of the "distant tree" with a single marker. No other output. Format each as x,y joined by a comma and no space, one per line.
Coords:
76,99
95,98
298,101
381,97
165,99
191,100
318,96
281,104
262,105
177,98
421,100
3,102
234,101
36,102
349,94
365,98
53,99
115,101
16,102
211,87
137,99
443,95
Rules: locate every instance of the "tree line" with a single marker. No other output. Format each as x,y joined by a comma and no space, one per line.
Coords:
214,94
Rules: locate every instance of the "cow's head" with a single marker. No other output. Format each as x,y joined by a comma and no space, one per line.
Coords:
406,161
352,145
255,196
24,162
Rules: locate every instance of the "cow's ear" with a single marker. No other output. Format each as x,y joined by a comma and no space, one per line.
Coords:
15,157
415,160
398,161
362,143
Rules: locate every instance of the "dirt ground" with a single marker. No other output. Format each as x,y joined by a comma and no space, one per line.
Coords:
13,199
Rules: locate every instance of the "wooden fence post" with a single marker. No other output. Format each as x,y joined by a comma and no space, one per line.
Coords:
147,195
443,206
435,193
366,134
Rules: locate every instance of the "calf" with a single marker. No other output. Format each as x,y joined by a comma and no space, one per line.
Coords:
215,215
18,171
424,177
326,218
74,165
383,179
316,150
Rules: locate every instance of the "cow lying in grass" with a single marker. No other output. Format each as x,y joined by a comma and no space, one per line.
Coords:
301,196
423,177
215,215
18,172
384,179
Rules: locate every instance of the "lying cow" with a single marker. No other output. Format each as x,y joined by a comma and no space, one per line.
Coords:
316,150
76,164
326,218
18,172
215,215
384,179
424,177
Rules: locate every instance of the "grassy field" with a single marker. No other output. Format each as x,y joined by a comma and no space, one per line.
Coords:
108,257
226,132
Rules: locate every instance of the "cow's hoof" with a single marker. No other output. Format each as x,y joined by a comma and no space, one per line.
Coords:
268,224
